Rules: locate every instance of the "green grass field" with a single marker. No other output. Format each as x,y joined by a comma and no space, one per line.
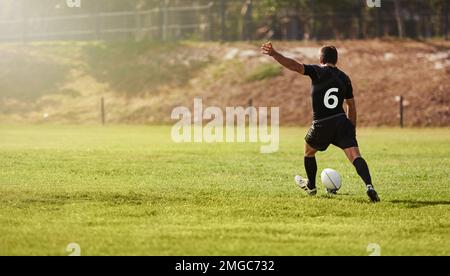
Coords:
128,190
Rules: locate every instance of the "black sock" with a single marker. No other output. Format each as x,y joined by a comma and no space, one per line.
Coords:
311,171
363,170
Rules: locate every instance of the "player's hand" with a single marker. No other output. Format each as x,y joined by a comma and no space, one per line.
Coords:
267,49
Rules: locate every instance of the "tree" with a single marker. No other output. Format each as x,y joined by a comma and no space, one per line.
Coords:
398,18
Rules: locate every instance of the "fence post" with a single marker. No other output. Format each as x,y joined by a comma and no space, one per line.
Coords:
102,111
400,100
401,111
250,106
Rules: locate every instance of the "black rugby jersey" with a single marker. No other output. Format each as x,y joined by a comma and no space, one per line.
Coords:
330,87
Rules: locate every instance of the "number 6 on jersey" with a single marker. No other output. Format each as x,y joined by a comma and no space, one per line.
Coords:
333,98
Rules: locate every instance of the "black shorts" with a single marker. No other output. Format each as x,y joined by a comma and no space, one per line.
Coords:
338,131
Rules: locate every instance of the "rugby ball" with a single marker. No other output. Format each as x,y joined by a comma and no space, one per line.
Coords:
331,180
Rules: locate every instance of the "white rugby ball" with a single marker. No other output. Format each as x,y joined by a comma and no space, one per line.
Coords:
331,179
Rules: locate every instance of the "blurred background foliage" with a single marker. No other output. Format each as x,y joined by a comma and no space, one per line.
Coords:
233,20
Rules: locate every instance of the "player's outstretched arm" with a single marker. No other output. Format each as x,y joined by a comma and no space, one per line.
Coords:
267,49
351,110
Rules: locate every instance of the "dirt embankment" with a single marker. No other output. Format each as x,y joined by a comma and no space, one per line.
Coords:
142,83
380,71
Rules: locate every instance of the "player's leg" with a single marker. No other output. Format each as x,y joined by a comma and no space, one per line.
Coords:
317,139
310,165
346,140
363,171
309,184
360,164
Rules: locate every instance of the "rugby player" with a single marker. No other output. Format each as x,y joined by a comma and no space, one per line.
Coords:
331,88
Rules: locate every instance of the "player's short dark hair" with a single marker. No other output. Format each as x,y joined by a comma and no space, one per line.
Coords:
329,54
